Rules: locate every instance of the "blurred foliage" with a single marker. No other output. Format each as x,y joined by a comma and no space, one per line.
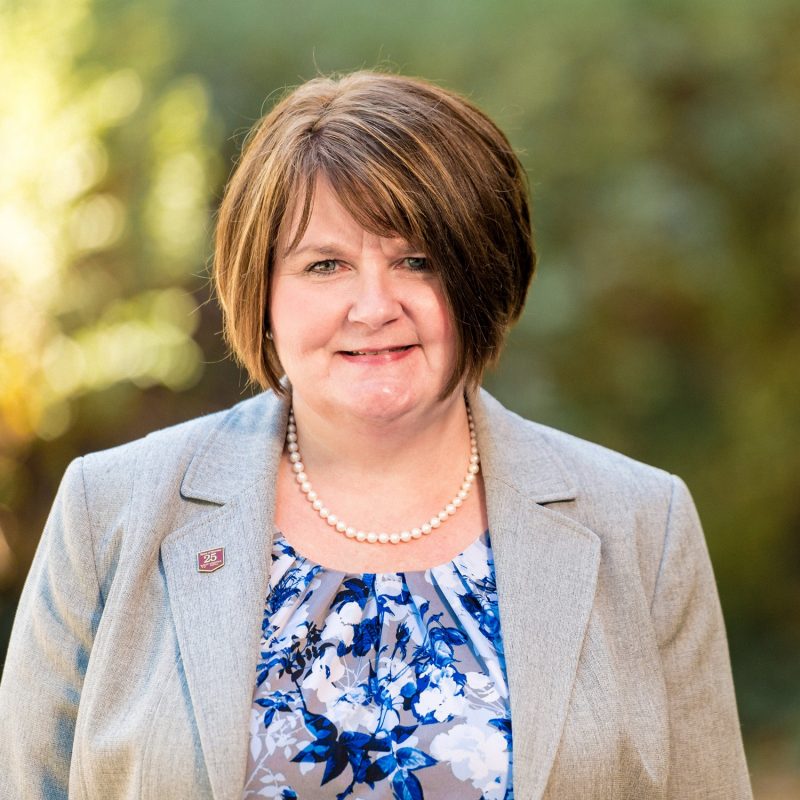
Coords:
660,138
103,198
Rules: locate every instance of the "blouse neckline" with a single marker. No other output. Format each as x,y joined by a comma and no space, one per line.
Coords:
289,548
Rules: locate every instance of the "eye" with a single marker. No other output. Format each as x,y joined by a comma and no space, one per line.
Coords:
326,267
417,263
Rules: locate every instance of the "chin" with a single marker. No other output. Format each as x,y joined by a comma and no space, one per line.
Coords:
383,401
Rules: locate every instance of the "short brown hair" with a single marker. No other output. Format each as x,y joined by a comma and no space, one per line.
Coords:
406,158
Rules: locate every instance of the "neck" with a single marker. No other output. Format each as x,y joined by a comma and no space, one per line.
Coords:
411,444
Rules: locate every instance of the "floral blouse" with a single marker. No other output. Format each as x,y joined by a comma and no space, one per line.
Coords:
387,685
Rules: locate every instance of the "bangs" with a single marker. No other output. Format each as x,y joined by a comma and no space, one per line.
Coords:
379,199
405,159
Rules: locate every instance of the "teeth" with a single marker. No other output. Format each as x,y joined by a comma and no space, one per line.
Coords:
377,352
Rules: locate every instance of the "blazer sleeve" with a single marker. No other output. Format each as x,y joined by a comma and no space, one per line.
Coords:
49,650
706,754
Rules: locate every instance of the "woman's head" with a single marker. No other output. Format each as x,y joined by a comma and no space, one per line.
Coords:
406,159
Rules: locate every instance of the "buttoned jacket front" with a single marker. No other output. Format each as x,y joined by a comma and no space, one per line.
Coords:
130,673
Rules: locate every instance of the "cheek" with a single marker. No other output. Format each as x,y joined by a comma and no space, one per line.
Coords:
302,322
441,324
283,323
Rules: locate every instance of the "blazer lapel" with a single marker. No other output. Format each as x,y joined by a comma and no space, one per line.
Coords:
546,566
217,615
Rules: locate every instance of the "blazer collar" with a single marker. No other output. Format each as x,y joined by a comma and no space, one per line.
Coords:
241,450
245,446
546,566
517,454
217,616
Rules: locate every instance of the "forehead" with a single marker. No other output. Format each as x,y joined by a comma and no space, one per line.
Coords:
327,222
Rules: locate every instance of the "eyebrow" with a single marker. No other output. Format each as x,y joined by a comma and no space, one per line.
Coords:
334,251
319,249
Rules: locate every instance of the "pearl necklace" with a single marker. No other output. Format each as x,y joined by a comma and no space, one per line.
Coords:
370,536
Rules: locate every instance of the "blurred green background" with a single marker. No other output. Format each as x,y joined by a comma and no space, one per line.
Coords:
661,140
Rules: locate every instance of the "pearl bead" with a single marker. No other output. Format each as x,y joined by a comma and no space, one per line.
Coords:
394,538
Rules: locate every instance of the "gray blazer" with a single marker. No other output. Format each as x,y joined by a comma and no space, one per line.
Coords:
130,673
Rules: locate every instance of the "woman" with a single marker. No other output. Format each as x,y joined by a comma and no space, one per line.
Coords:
370,580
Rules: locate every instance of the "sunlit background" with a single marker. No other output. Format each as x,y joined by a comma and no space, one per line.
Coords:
661,140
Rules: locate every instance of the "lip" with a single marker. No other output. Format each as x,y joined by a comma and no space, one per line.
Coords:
377,355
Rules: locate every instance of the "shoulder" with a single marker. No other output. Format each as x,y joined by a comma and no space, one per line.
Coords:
598,470
166,449
154,467
570,466
630,506
136,493
618,497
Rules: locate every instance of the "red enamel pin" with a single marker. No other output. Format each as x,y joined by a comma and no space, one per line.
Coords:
211,560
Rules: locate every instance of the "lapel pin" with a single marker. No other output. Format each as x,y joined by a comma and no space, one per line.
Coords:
211,560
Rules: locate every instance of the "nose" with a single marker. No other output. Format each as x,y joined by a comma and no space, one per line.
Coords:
375,302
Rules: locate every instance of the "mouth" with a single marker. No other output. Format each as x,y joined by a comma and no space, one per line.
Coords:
382,351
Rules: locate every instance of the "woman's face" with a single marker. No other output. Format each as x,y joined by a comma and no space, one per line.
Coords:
360,323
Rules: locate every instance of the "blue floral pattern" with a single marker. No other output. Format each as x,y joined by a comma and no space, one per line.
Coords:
388,685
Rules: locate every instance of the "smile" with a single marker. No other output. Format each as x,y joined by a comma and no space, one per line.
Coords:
385,350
